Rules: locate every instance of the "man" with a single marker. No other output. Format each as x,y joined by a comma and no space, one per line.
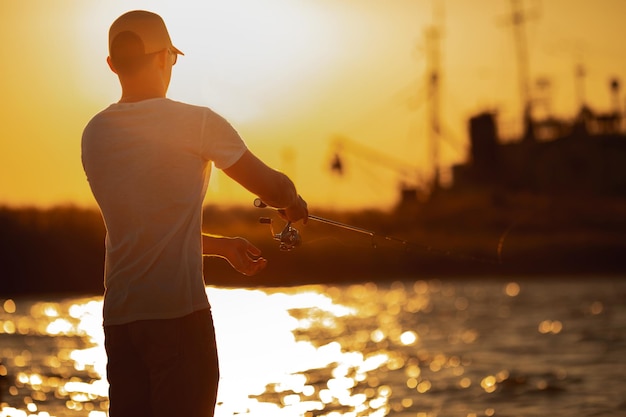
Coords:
148,160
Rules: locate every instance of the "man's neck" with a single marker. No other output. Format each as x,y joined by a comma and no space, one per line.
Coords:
135,96
141,89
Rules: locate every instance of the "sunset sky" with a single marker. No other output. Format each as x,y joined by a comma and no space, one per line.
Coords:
293,75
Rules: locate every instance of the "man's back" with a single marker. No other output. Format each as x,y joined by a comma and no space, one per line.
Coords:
148,164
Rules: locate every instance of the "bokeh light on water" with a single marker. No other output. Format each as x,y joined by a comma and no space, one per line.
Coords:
52,358
409,348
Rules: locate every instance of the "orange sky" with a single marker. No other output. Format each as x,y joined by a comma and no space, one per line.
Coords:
291,75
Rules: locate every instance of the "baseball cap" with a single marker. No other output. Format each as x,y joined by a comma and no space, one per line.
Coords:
149,28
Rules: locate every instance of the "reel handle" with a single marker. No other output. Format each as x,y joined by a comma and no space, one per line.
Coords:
258,203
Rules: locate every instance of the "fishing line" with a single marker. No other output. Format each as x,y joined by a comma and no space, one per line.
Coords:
289,238
508,230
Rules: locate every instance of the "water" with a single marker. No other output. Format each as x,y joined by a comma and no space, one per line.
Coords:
432,348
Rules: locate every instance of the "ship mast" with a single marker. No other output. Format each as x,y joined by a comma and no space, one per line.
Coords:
517,19
433,37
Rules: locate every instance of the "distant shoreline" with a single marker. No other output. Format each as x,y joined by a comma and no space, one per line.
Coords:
61,250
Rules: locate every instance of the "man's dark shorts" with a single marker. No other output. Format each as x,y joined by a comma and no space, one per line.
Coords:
159,368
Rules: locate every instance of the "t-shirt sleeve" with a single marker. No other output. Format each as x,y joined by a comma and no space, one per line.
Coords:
221,143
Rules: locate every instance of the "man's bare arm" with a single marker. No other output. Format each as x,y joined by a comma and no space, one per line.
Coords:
271,186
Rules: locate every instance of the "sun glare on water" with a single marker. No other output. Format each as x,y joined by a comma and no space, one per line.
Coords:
258,348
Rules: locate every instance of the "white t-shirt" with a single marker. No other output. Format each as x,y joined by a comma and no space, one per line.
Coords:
148,165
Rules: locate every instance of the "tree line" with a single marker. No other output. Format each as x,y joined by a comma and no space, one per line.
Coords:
51,250
61,250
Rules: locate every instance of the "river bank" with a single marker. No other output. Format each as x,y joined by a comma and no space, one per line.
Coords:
479,234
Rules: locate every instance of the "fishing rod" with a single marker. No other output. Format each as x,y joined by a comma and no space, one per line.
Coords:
289,238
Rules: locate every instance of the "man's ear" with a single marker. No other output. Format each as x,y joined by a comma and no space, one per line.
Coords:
111,64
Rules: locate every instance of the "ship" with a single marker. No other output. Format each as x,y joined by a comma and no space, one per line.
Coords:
584,156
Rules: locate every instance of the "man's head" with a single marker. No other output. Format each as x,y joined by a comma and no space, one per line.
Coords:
134,39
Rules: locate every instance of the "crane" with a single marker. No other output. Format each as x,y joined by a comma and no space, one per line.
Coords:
410,179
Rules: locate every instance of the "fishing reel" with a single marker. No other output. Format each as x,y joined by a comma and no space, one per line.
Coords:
288,238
